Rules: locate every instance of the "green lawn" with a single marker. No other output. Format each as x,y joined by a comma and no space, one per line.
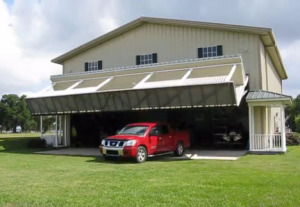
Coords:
28,179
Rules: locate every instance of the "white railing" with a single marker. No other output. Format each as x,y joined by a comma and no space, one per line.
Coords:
50,139
266,142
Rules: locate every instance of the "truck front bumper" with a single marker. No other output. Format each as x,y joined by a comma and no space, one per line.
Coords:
118,152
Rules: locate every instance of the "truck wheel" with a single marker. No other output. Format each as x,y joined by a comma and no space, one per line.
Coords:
179,151
141,154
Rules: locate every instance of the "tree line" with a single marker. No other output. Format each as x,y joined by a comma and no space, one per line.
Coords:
15,112
293,114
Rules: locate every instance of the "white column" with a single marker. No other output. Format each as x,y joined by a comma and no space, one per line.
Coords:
65,130
41,126
251,127
283,138
56,131
59,130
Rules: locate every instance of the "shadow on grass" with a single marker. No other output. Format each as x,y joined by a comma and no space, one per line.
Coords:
120,160
18,145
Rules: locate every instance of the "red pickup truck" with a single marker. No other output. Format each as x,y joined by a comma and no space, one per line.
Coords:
142,140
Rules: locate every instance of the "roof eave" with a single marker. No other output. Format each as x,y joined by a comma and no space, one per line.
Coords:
269,42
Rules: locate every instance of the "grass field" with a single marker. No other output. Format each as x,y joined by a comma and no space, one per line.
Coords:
28,179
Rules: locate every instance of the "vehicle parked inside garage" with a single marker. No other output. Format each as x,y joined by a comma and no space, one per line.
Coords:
143,140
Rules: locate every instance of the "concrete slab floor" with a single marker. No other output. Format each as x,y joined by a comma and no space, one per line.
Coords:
189,154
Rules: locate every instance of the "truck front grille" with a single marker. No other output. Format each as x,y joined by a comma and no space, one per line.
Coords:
114,143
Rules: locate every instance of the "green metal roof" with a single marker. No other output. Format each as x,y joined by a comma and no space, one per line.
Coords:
261,95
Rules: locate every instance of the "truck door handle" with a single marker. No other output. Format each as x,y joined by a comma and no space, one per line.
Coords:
159,138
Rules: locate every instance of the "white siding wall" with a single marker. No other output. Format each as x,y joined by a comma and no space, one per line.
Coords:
274,81
171,43
269,76
263,65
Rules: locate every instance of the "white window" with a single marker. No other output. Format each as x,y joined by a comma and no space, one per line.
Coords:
146,59
92,66
210,51
213,51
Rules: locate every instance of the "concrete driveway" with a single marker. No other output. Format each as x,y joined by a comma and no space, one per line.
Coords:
189,154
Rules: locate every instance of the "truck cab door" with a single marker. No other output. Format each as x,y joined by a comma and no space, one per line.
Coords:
164,141
167,138
156,140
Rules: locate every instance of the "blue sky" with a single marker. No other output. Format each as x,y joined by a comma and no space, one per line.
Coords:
34,32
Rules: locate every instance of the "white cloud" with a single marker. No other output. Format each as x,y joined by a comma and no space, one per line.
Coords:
291,58
33,31
18,72
58,26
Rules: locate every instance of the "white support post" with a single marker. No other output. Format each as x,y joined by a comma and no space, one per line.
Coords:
186,75
139,84
65,130
41,126
251,127
56,130
59,131
230,75
104,83
283,138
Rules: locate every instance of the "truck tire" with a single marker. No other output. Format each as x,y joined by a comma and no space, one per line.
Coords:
141,154
179,151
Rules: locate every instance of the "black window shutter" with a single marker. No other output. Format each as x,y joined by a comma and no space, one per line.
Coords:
219,50
154,57
99,64
86,66
200,52
138,59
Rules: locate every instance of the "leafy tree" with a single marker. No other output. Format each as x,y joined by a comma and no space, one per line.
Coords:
297,123
14,112
48,123
293,111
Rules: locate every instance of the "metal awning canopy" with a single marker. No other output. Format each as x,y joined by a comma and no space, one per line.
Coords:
194,85
265,98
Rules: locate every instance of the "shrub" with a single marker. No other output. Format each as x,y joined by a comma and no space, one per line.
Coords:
37,143
292,139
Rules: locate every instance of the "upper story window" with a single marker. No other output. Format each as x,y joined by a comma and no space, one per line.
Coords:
91,66
213,51
146,59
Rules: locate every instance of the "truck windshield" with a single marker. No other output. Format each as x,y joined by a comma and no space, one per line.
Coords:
134,130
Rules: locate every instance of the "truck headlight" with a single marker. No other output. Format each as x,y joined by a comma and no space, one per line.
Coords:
103,142
130,143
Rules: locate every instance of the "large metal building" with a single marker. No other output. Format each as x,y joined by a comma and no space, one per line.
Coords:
221,82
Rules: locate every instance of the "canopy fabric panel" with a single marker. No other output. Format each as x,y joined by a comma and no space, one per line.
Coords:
194,86
158,98
63,85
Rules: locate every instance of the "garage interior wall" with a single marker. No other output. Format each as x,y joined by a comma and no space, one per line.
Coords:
202,123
